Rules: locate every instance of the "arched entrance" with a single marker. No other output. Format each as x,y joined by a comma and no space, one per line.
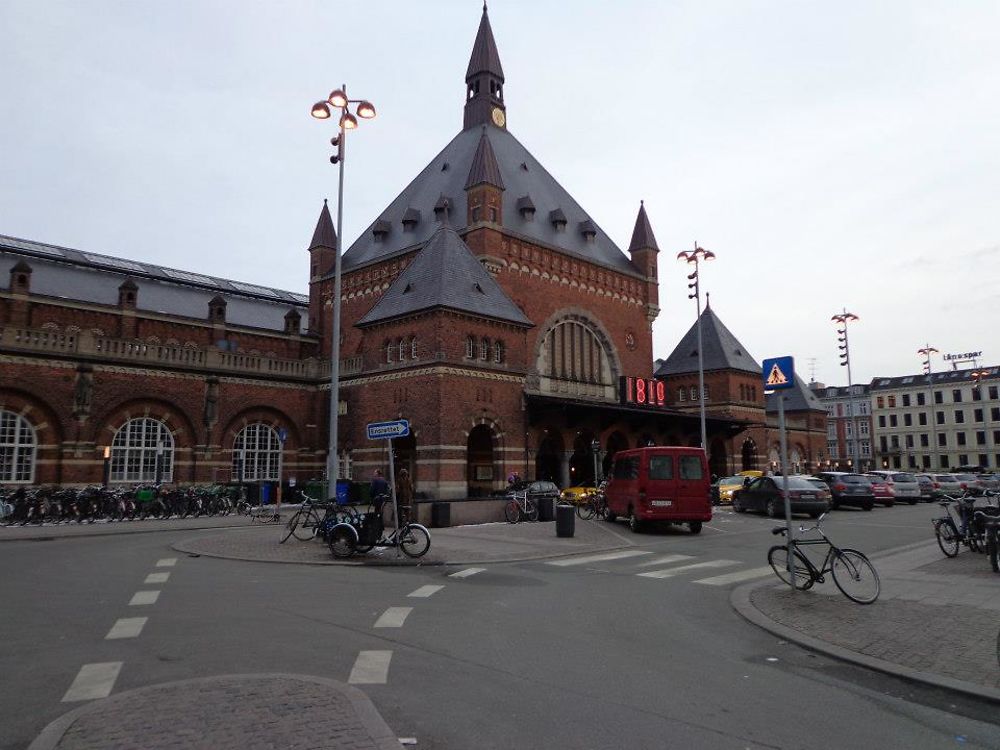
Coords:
547,458
581,463
405,457
480,461
616,442
748,455
717,463
794,461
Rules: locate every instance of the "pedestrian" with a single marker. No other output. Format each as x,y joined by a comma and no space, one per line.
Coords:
404,495
378,485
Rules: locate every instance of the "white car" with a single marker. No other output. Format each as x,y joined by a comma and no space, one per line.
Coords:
903,484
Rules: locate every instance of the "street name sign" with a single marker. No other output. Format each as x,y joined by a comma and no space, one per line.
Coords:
388,430
778,373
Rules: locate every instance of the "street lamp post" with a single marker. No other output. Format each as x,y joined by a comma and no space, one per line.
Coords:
977,378
842,319
926,353
107,466
696,256
321,111
595,449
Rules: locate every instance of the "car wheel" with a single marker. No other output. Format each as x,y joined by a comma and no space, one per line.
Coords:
834,505
695,527
772,509
634,524
738,505
913,501
867,506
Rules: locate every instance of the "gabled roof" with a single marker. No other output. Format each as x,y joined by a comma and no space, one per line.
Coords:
445,274
522,175
324,235
722,350
799,398
642,235
485,58
484,167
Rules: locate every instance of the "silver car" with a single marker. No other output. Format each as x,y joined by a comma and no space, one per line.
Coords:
903,484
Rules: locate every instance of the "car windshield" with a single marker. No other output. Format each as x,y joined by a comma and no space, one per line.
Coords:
733,480
796,483
855,479
946,478
904,477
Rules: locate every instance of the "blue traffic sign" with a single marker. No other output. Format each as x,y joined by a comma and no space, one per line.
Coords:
778,373
388,430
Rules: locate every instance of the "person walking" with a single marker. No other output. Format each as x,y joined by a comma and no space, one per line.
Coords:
404,495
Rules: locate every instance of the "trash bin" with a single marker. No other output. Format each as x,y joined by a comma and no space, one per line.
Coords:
265,493
440,515
546,509
565,520
343,491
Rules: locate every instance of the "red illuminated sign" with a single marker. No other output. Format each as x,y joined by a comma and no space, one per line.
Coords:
642,391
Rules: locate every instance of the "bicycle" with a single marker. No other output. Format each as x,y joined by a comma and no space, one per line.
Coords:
367,531
520,506
307,522
596,504
852,571
947,532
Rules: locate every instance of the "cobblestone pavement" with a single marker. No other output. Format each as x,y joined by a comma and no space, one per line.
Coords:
223,713
936,619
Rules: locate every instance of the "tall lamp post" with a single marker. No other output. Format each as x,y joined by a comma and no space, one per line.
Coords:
322,111
595,448
926,353
696,256
977,378
842,319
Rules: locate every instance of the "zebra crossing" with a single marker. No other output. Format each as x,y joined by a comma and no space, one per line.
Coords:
646,564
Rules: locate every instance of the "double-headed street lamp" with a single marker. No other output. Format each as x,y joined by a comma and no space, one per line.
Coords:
322,111
695,256
977,379
926,353
842,319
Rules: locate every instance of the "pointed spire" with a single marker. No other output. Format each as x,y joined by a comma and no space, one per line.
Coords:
485,168
642,235
485,58
324,235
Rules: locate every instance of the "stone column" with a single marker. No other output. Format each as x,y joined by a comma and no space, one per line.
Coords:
564,468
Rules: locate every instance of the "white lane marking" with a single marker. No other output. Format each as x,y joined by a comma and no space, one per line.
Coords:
599,558
394,617
670,572
739,575
467,572
144,597
93,681
665,560
157,578
424,591
371,668
126,627
166,562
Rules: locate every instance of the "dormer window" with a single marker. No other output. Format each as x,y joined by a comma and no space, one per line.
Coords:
588,230
380,230
441,208
558,220
410,219
526,208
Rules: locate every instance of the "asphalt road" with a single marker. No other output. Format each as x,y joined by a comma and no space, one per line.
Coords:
529,655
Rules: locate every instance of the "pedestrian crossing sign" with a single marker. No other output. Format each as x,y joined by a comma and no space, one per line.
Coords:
778,373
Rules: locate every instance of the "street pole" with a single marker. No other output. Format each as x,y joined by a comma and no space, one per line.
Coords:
107,465
784,485
701,366
333,458
395,504
843,319
595,448
927,351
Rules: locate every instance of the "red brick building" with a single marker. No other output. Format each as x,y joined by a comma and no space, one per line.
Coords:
484,304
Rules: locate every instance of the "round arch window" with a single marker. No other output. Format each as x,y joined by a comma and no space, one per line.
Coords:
257,454
17,448
142,451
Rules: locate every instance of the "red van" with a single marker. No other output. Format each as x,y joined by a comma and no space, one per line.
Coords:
669,484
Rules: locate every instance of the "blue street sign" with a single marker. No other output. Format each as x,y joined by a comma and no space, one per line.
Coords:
388,430
778,373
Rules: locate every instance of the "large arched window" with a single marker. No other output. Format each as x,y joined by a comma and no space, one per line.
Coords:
575,358
257,454
142,451
17,448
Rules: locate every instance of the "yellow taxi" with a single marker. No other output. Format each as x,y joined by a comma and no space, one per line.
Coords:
576,495
728,485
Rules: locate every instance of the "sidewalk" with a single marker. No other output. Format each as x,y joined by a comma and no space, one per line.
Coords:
936,620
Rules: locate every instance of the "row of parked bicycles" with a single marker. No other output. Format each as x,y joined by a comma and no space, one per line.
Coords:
967,523
60,505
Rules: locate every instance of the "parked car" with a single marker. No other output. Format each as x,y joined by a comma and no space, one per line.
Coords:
848,489
927,486
765,494
970,483
903,484
991,482
576,495
662,483
947,484
540,491
723,490
882,491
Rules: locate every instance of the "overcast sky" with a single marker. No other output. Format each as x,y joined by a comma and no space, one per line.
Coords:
830,154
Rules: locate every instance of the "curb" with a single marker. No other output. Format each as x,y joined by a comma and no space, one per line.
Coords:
740,601
382,735
52,537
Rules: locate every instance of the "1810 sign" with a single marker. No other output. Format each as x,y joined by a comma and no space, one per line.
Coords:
642,391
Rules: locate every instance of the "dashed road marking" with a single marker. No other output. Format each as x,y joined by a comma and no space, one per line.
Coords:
671,572
665,560
739,575
93,681
424,591
166,562
467,572
144,597
126,627
371,668
599,558
394,617
157,578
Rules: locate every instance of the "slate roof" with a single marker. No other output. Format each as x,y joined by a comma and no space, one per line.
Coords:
722,350
799,398
484,165
324,235
642,234
937,378
90,277
445,274
521,174
485,57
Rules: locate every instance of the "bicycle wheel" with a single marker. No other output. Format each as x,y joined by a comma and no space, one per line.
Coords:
531,509
947,536
307,526
855,576
585,510
512,511
342,542
414,540
777,557
291,526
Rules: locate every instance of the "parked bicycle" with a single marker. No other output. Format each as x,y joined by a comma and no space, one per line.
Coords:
950,531
595,505
852,571
367,530
520,506
317,518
